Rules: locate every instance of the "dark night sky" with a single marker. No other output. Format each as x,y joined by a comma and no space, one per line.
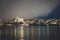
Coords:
55,12
9,9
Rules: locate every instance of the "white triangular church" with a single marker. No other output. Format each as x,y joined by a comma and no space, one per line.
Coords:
17,19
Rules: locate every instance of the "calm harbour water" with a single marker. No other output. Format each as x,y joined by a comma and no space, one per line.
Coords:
29,32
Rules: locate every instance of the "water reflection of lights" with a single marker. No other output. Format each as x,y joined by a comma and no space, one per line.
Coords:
21,39
39,32
22,33
15,33
32,34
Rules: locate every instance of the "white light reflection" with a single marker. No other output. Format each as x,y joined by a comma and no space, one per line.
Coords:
22,32
15,33
32,33
39,32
